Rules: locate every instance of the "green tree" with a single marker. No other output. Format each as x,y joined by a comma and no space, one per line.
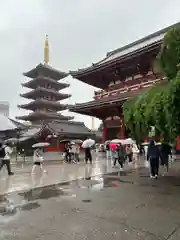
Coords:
169,55
173,108
159,105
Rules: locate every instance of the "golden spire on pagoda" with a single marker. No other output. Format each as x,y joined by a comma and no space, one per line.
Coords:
46,50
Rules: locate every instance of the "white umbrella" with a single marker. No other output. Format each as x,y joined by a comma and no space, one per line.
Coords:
11,140
145,144
117,141
88,143
129,141
40,144
78,141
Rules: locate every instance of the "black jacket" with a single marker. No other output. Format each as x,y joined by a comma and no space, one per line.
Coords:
153,152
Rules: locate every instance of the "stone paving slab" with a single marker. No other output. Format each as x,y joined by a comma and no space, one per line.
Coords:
175,235
60,218
96,206
56,173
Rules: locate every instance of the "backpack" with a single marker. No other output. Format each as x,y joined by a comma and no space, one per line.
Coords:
2,152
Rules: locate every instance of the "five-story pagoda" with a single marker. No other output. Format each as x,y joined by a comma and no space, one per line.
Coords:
45,93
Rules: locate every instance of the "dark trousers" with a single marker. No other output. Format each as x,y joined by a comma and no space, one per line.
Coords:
88,155
165,161
76,156
129,156
68,157
119,161
154,164
8,165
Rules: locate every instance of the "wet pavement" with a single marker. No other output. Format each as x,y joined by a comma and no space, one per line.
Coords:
56,173
101,203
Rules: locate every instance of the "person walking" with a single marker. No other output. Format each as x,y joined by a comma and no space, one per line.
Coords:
135,153
153,155
88,155
38,160
68,153
129,152
165,152
75,152
121,155
108,151
5,155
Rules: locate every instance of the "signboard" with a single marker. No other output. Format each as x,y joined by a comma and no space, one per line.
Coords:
152,132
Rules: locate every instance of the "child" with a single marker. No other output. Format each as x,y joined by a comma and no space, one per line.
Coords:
38,160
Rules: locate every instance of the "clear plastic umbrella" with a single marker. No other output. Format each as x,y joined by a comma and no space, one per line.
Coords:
145,144
78,141
88,143
11,140
117,141
40,144
129,141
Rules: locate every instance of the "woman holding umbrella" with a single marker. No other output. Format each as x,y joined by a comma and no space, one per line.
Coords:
87,144
38,156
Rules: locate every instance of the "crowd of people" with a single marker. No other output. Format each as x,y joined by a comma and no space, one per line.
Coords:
119,153
72,151
154,155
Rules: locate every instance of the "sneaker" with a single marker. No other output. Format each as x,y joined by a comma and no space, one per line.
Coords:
156,176
11,173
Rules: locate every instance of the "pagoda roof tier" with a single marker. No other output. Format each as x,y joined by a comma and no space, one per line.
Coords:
39,116
41,81
69,128
122,61
47,71
44,92
42,103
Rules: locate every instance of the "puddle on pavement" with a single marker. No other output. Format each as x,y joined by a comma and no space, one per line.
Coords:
87,200
42,193
30,206
99,183
117,174
27,201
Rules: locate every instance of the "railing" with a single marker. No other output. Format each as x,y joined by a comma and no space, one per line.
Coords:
128,86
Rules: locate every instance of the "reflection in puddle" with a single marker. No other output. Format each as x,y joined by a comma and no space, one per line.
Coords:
98,183
27,201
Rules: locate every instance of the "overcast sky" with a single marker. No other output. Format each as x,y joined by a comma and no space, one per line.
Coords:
80,32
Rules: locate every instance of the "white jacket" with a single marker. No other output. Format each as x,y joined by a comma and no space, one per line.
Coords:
135,149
